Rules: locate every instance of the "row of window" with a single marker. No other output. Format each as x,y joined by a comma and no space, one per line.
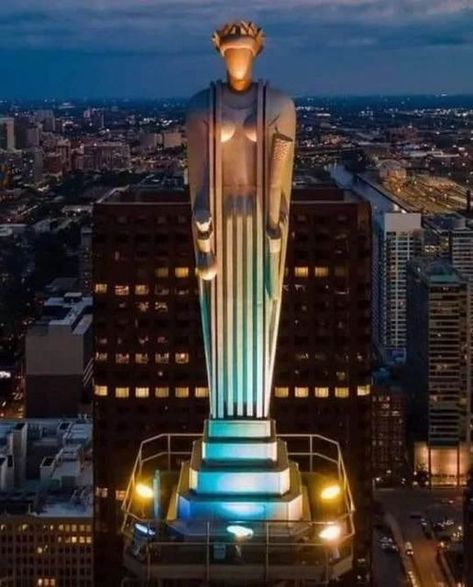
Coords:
143,358
143,392
321,392
203,392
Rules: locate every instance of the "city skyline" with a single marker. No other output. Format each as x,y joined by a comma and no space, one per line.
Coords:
120,48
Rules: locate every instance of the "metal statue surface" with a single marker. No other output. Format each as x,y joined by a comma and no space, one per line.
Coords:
240,149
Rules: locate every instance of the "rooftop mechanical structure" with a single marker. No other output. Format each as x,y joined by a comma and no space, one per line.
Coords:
236,507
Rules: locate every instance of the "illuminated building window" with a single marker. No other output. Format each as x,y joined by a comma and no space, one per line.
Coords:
142,306
301,392
101,491
122,392
122,358
101,341
201,392
301,271
122,290
161,307
321,271
120,494
363,390
101,357
142,392
101,390
141,290
321,392
100,288
181,272
302,356
281,391
162,358
182,392
341,376
342,392
161,272
182,358
162,340
141,358
162,392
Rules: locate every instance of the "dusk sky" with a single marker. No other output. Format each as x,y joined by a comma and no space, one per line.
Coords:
161,48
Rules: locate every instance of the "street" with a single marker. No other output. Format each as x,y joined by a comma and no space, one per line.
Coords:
400,505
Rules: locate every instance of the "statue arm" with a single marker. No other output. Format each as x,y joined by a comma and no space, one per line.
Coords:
197,125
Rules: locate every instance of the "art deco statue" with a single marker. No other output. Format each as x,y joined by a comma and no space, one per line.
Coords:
240,146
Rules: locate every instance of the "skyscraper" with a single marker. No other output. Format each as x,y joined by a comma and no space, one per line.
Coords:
149,357
397,237
7,134
437,342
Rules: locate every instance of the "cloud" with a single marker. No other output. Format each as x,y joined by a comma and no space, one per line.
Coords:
179,25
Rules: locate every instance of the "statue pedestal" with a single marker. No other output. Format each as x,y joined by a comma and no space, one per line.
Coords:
239,471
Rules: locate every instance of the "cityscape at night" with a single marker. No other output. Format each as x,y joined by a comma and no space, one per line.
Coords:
236,326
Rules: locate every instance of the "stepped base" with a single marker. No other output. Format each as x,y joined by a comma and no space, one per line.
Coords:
238,471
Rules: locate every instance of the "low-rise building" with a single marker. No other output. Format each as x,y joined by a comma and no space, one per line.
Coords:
59,358
46,503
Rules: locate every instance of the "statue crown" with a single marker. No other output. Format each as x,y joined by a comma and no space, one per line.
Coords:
239,29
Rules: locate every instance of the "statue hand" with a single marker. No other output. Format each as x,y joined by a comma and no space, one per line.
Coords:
206,266
274,239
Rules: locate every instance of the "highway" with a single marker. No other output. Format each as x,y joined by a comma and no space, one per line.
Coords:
399,506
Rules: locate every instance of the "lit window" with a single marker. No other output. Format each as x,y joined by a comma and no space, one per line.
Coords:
162,392
363,390
142,392
281,391
122,392
182,358
101,390
161,307
141,358
321,271
122,290
201,392
162,358
101,491
301,271
120,494
101,357
162,272
182,392
141,290
301,392
100,288
321,392
341,376
142,306
342,392
181,272
122,358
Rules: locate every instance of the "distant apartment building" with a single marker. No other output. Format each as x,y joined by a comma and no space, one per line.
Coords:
437,364
7,134
106,156
397,237
46,503
59,357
